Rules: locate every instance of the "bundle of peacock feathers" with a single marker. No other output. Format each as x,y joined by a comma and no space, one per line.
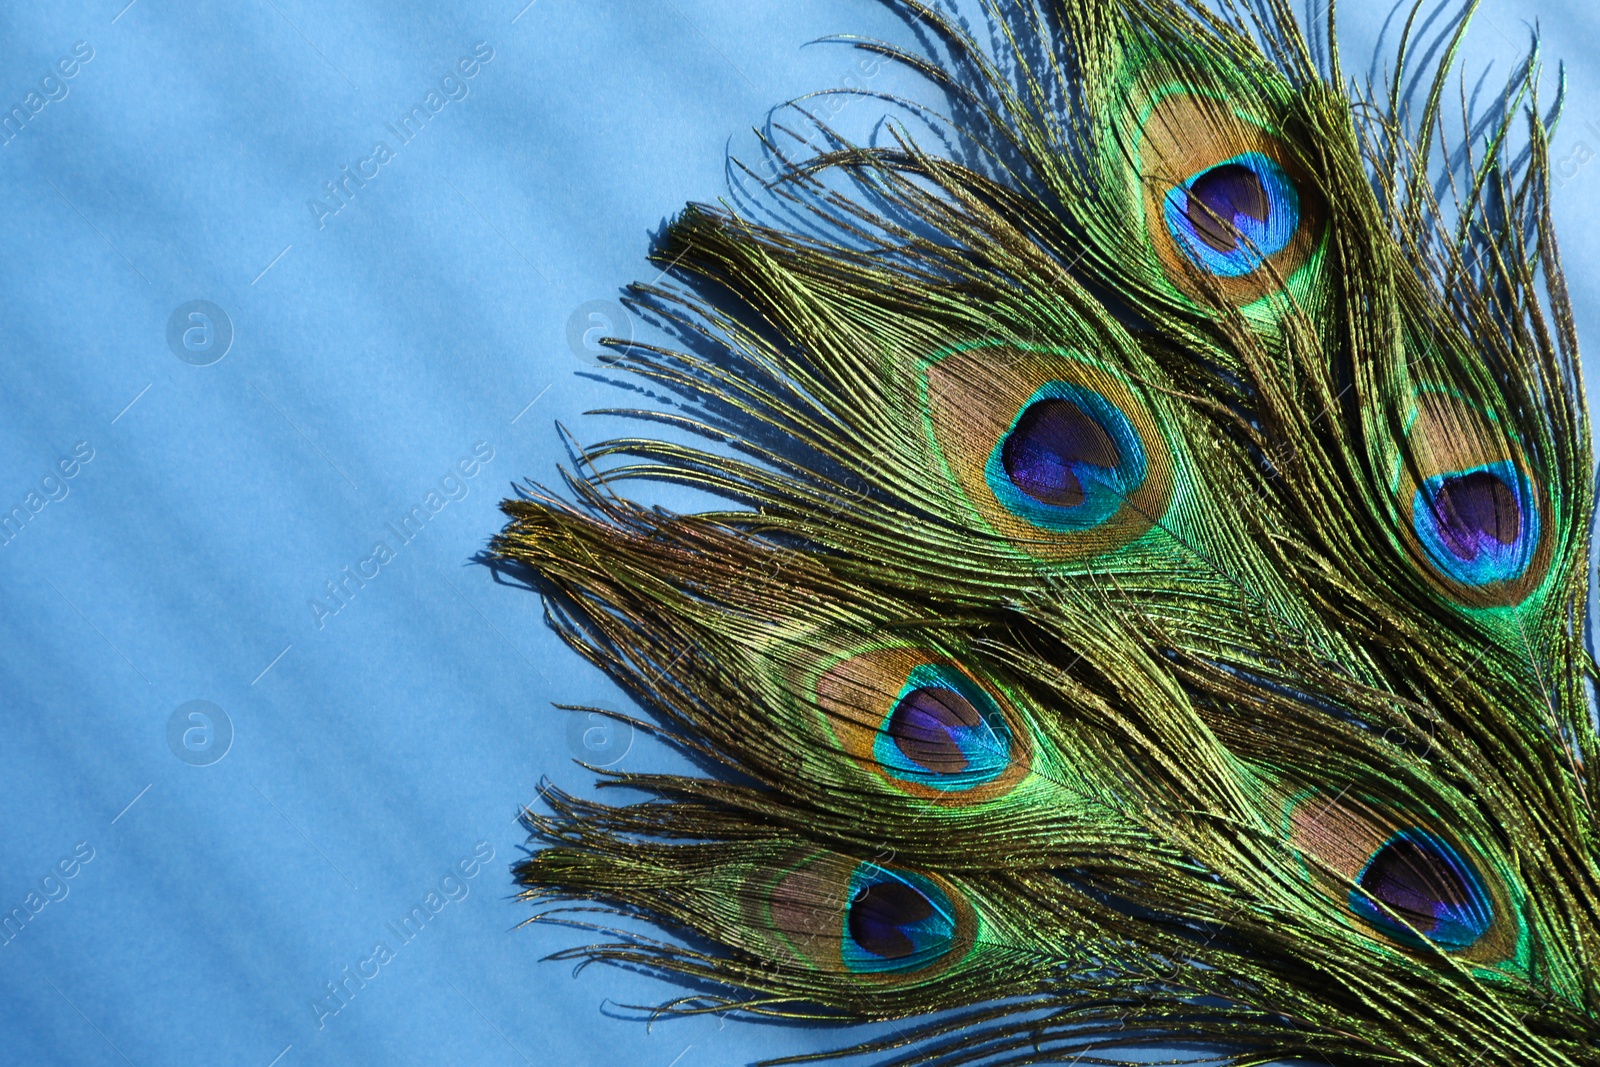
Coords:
1151,608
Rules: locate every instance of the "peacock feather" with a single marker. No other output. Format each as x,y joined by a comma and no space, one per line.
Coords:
1150,606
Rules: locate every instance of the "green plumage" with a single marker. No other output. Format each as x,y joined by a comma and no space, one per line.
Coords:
1151,604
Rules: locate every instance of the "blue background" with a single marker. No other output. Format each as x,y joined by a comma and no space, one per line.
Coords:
373,749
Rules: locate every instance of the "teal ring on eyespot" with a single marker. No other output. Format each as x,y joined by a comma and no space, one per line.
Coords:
1462,518
1417,875
1232,216
917,725
896,921
1104,488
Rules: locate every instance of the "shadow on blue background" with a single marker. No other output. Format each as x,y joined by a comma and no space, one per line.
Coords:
284,530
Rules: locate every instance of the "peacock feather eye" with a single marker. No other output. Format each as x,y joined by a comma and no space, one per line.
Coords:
1417,882
928,727
1468,504
867,919
1055,454
944,732
896,921
923,725
1228,211
1408,884
1231,217
1478,526
1069,460
1052,441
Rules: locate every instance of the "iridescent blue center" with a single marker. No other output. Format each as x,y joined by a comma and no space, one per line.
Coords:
1068,461
1478,525
896,921
1230,217
1419,878
943,732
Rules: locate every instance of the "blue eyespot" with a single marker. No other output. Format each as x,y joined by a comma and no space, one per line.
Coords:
1068,461
896,921
1418,877
943,732
1478,525
1229,218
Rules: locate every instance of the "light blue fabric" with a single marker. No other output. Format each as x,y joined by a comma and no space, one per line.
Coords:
414,341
